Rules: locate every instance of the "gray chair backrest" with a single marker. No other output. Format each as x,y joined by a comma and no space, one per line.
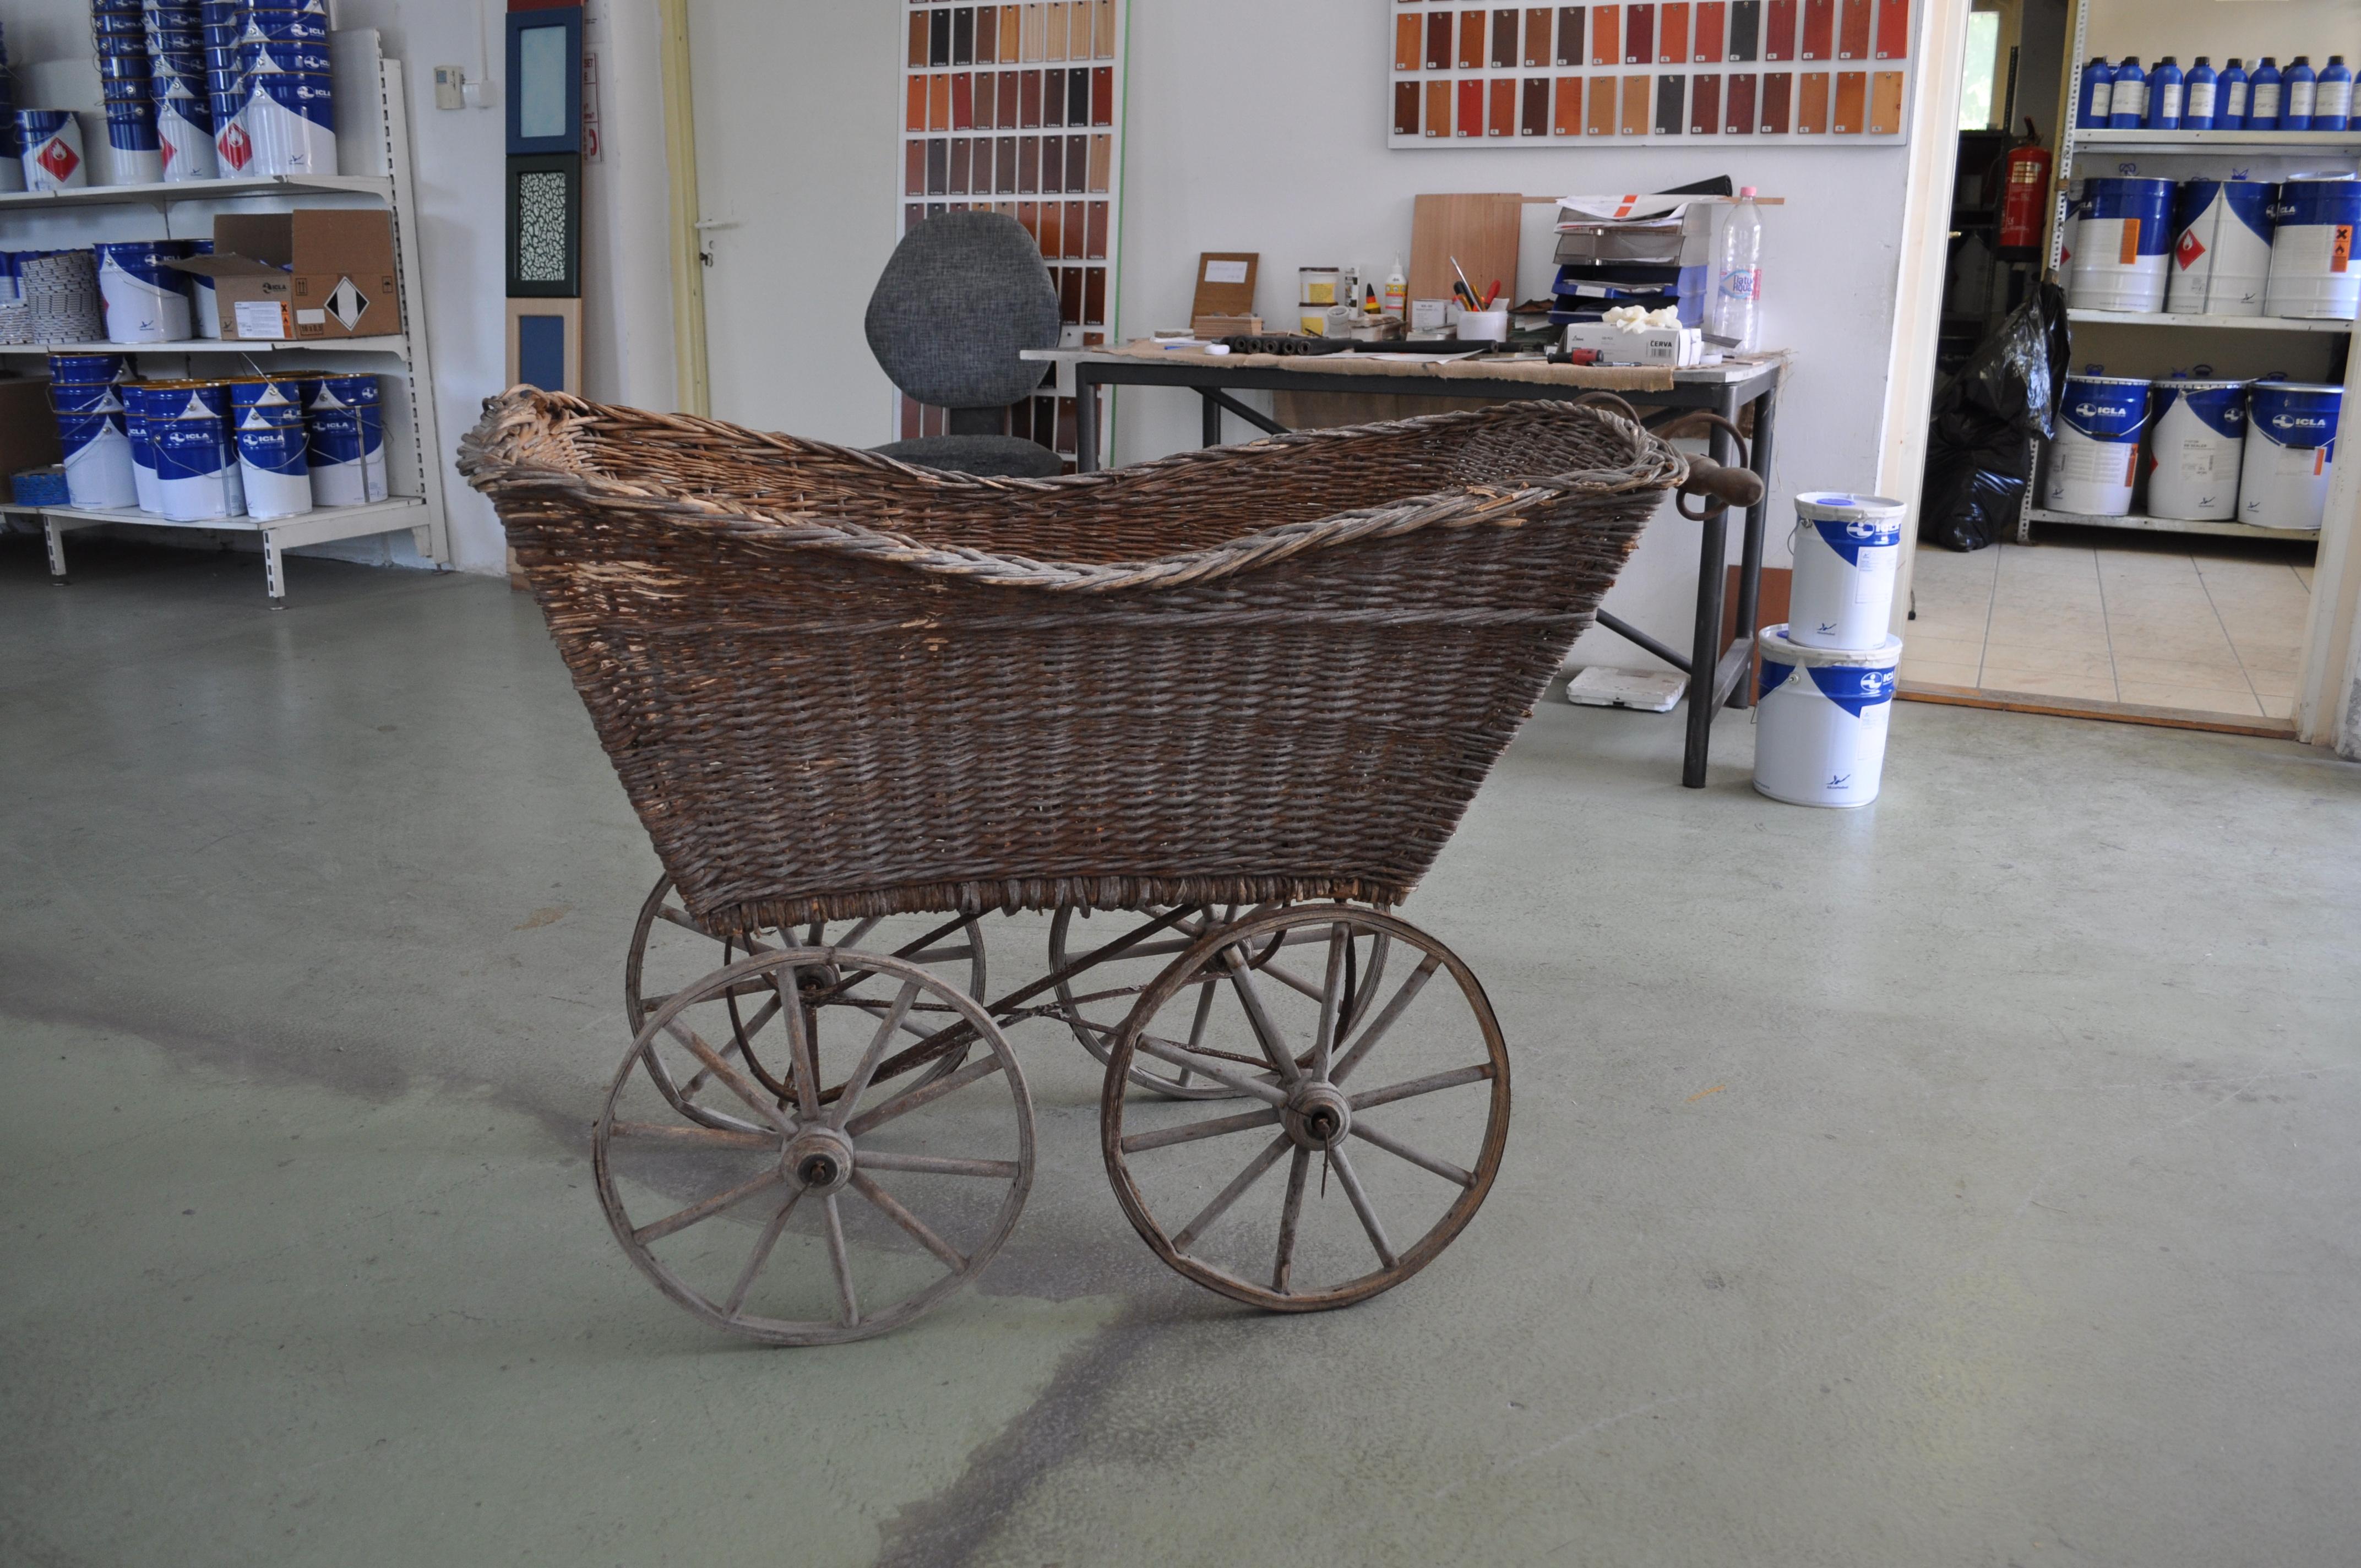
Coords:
964,293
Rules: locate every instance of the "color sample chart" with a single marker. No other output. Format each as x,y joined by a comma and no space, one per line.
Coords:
1016,109
1834,73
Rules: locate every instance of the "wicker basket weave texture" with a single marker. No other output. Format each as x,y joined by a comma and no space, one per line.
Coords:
835,685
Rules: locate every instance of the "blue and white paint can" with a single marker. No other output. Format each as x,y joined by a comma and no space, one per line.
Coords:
291,117
2122,246
85,368
273,459
2312,272
1847,549
2290,454
338,474
2197,430
52,150
185,134
98,460
1821,719
143,448
2222,258
190,467
2094,456
361,394
145,301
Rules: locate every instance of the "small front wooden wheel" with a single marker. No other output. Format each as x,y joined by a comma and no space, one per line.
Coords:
823,1214
670,949
1385,1101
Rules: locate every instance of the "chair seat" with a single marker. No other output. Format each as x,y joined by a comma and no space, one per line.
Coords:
988,456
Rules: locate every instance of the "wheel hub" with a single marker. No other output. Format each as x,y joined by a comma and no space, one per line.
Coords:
1318,1115
818,1160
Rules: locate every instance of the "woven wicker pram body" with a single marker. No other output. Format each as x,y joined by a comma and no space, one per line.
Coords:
835,685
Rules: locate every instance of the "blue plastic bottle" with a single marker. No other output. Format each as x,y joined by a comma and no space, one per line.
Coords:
2333,109
2263,102
2098,90
2202,96
2127,111
2164,91
2300,85
2230,105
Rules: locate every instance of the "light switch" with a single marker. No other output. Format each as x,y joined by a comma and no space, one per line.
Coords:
450,86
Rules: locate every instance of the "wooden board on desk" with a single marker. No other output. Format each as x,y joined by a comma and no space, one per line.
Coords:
1481,230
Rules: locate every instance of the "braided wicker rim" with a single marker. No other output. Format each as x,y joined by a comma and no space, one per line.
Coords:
528,446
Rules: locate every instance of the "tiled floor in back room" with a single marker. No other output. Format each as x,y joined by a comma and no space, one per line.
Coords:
2201,624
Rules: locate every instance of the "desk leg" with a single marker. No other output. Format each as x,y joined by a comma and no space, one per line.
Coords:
1086,425
1704,647
1750,574
1212,432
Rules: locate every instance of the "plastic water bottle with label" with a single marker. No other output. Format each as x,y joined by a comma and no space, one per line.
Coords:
1737,312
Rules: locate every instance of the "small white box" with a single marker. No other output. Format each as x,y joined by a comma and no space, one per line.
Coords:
1675,347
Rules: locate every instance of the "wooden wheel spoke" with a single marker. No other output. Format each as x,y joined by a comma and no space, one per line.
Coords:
858,1084
1283,1270
1380,948
935,1165
902,1104
887,1205
1267,1033
1384,1020
1205,995
803,1051
852,938
1244,1120
1290,979
680,917
703,1209
736,1081
1325,1037
1360,1201
1232,1193
845,1298
1164,1051
1432,1083
701,1137
1400,1150
762,1254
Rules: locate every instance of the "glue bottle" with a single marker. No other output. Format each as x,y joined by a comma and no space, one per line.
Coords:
2127,110
2302,85
2098,95
2203,97
2229,113
2333,109
2263,102
1397,292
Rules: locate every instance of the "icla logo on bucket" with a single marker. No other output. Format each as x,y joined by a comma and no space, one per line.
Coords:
2297,421
2093,411
1875,682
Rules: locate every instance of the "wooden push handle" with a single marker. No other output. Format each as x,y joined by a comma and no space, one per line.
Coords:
1731,487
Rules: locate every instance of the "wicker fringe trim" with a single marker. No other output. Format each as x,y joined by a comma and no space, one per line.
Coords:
1039,894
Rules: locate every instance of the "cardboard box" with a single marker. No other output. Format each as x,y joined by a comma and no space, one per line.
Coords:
28,431
323,272
1674,347
1226,326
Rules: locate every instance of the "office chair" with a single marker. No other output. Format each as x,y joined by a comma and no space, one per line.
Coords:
962,296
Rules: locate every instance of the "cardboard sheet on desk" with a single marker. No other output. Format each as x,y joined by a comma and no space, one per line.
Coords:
1429,366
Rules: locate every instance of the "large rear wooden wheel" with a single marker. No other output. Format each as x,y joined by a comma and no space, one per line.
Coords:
819,1214
1384,1104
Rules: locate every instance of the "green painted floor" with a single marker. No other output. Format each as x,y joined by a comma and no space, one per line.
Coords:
1969,1181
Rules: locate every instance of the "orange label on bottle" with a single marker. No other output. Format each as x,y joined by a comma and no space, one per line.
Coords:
2131,241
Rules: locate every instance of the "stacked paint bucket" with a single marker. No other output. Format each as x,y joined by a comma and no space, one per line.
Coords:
147,301
89,408
127,81
197,476
51,150
184,114
289,114
347,424
2223,247
273,450
221,24
1826,683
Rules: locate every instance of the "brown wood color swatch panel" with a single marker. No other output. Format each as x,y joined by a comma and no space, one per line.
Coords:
1670,93
1893,30
1639,34
1012,39
1438,40
987,35
1504,38
1502,118
1638,105
1672,33
1438,108
1534,120
1571,36
1539,48
1778,103
1406,108
1568,120
1481,230
1851,111
1712,23
1601,119
1746,30
1737,114
1779,28
1852,30
1102,34
917,39
1410,37
1471,106
1705,104
1819,36
1607,35
1474,29
1885,103
1812,104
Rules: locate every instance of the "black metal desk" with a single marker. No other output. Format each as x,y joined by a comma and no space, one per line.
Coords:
1722,389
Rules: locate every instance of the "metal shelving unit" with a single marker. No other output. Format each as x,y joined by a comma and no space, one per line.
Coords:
2207,148
372,133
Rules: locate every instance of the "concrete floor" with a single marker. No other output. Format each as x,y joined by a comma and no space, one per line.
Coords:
1968,1180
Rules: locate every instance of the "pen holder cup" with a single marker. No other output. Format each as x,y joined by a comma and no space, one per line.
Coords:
1483,326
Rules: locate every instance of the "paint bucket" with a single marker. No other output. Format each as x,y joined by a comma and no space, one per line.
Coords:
2290,454
232,148
2222,260
292,118
2123,245
52,155
338,468
131,137
86,397
196,465
145,301
2196,432
273,461
1847,549
2095,457
143,449
98,460
185,132
85,368
361,394
1821,719
2312,274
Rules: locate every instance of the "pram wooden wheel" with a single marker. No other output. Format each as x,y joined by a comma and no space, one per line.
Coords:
1385,1101
819,1216
670,949
1096,1001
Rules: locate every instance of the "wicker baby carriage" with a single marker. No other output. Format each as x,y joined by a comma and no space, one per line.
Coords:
1230,703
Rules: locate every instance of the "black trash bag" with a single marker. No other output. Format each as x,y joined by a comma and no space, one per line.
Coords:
1978,451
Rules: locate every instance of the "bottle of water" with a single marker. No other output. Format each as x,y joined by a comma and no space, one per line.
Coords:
1737,292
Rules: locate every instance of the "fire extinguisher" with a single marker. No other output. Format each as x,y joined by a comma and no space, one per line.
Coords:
2024,197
